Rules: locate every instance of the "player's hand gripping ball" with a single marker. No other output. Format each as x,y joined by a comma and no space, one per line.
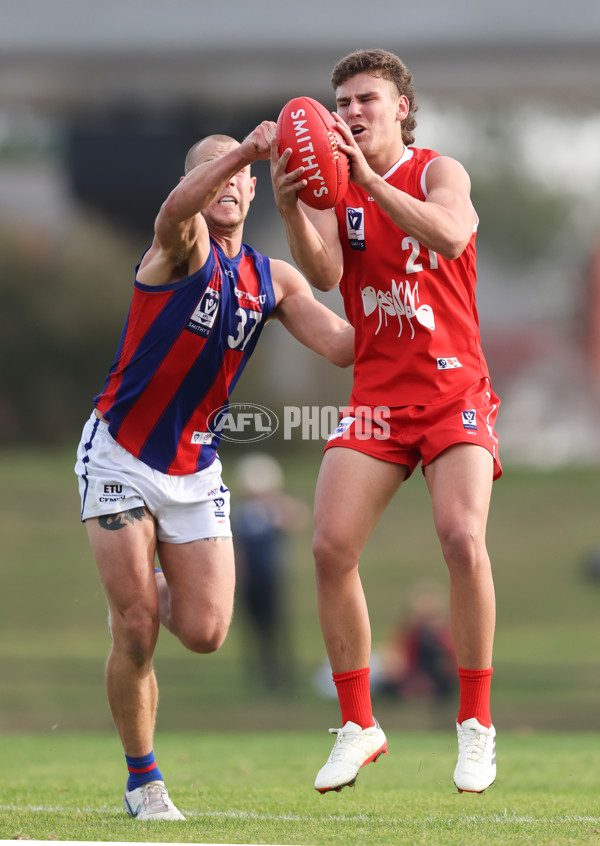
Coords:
310,130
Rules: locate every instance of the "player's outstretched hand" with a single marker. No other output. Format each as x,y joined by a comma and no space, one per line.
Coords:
257,145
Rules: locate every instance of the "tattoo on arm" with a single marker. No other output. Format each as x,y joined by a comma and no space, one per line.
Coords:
218,538
113,522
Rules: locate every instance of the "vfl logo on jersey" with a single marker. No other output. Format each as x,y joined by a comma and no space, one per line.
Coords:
469,419
205,313
448,363
355,223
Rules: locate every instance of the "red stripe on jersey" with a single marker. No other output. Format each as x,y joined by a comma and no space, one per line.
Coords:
143,312
164,384
248,283
160,390
186,451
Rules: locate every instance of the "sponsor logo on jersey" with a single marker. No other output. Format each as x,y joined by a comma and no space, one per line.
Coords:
469,419
247,300
219,503
448,363
355,223
201,438
205,313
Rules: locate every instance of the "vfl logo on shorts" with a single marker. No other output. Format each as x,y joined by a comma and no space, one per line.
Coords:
448,363
469,419
355,224
205,313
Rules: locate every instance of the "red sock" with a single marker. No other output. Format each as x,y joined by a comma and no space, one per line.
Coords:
475,695
354,693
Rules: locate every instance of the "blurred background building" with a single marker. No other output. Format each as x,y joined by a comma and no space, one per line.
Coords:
99,103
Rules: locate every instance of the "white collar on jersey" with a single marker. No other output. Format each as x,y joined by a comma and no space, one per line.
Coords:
406,156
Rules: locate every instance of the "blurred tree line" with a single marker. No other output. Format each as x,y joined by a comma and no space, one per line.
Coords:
63,305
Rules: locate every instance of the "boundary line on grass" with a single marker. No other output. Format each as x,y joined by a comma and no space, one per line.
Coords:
251,815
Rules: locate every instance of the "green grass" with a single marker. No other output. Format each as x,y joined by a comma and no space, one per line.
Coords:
53,636
255,787
240,784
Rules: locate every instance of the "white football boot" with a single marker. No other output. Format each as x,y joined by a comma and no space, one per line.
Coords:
353,748
476,767
151,802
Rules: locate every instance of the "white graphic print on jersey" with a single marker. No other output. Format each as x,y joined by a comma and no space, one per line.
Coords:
401,301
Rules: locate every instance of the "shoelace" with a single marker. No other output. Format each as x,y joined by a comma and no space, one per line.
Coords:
344,742
474,744
153,798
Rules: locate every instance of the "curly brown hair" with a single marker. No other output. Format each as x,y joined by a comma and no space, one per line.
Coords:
387,65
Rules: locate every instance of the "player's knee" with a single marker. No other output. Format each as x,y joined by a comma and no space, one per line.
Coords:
462,546
334,556
135,634
206,635
202,643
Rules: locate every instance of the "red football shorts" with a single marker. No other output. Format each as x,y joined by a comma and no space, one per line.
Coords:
413,433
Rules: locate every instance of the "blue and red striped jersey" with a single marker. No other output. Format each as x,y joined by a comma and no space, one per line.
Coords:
182,350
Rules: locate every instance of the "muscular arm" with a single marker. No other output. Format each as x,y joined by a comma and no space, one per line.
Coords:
445,221
181,235
198,189
312,235
308,320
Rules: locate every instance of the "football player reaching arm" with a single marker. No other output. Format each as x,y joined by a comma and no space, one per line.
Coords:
308,320
443,223
312,234
191,213
212,198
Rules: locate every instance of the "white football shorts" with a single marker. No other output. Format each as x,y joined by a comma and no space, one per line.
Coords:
111,480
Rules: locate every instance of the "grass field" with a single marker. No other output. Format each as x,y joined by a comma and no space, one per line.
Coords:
53,636
256,787
241,762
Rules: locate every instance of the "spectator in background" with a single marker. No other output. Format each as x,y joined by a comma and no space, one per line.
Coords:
418,658
262,519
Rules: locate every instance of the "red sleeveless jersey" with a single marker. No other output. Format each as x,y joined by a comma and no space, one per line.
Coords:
414,312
